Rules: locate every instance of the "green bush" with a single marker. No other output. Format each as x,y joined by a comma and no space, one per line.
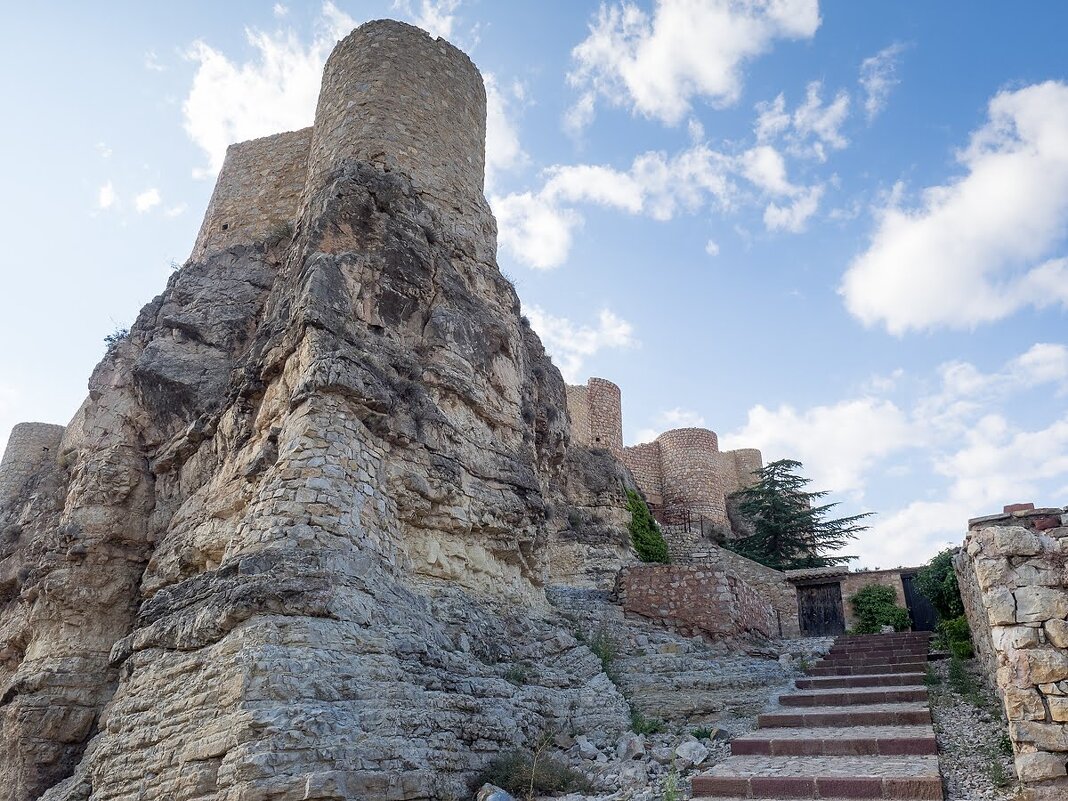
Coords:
954,635
525,775
645,534
874,608
640,724
938,583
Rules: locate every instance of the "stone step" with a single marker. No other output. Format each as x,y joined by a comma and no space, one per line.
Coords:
839,777
863,680
854,696
897,636
837,741
889,714
871,653
877,659
864,670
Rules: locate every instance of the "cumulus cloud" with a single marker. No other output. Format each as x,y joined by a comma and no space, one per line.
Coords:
878,77
985,244
147,200
571,344
274,91
838,443
436,17
794,216
656,64
810,129
711,248
503,149
668,420
105,196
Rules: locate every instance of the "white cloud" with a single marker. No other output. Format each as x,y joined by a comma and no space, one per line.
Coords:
811,128
711,248
838,443
983,245
147,200
274,91
795,216
571,345
878,77
670,419
656,65
177,210
152,62
503,150
104,151
534,229
765,167
280,10
105,197
436,17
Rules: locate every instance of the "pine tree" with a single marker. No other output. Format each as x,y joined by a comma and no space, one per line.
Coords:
790,530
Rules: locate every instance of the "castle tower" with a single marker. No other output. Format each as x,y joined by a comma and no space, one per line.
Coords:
597,415
29,447
692,478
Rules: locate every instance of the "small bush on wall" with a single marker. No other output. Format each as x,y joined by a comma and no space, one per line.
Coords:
874,608
645,535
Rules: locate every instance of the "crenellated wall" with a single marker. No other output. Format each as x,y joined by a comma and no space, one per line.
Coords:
1013,576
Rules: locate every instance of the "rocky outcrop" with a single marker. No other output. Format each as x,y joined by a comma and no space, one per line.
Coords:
295,540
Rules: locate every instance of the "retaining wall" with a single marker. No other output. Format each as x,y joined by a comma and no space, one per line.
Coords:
1012,574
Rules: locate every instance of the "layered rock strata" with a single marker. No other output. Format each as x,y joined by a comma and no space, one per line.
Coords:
295,540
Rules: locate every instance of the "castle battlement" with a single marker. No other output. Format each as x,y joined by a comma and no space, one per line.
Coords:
682,472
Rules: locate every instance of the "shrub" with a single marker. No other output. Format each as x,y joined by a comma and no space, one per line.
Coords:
526,774
874,607
645,534
938,583
954,635
115,338
643,725
604,648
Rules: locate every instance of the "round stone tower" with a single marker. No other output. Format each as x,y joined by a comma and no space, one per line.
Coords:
605,415
691,475
29,447
395,96
747,461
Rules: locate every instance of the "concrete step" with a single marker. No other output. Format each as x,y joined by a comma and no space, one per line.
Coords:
863,680
822,669
889,714
855,695
897,777
837,741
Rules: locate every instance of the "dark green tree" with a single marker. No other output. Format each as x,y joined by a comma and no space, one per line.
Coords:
790,529
645,534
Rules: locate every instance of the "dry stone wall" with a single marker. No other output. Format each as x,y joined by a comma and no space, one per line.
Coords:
769,582
696,599
1013,575
29,447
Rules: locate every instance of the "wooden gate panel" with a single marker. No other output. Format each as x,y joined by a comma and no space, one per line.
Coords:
819,610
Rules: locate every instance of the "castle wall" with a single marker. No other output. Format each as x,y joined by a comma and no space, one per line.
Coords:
29,447
747,462
606,415
691,475
1012,574
394,96
578,409
696,600
258,191
644,463
770,583
852,583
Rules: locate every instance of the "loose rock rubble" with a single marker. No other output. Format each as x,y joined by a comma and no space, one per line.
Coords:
974,752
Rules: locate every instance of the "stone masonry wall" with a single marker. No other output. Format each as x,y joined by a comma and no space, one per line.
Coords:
770,583
695,600
578,409
28,448
692,480
606,416
1012,573
644,463
257,192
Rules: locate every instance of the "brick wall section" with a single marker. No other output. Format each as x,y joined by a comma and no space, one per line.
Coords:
770,583
696,600
258,189
854,582
28,448
1012,573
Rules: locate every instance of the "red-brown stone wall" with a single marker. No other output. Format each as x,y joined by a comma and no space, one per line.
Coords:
695,600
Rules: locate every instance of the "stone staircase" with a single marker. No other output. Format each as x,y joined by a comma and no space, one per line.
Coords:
858,726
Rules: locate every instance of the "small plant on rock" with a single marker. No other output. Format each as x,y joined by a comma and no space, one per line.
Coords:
115,338
874,607
640,724
518,674
954,635
604,647
527,774
645,535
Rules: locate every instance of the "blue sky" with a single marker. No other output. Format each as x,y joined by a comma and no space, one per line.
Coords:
833,231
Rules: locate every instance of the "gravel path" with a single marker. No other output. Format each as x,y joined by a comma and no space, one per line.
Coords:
974,752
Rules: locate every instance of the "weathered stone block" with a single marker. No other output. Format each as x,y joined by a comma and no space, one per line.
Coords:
1014,637
1045,736
1057,632
1058,708
1000,607
1038,766
1016,541
1036,604
1024,704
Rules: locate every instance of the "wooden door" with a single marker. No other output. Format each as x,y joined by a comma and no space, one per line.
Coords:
924,617
819,609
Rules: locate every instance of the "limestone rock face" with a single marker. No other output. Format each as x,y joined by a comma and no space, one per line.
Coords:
294,543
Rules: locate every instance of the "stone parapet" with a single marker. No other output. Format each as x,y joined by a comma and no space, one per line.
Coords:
1012,575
